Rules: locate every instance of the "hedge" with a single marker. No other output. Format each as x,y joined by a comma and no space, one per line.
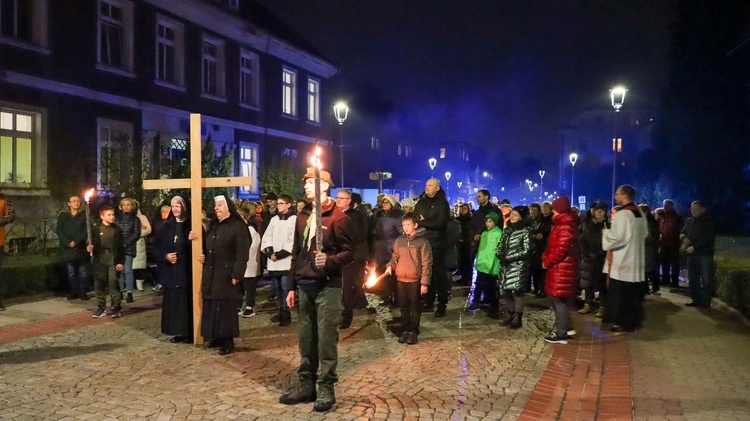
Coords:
733,283
26,275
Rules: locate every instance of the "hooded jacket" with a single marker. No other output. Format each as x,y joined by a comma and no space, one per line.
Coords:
513,255
562,258
434,213
338,245
592,255
412,258
130,225
487,253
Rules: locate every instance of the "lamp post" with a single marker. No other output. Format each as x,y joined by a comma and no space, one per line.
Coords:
432,162
447,186
341,111
541,183
617,95
573,158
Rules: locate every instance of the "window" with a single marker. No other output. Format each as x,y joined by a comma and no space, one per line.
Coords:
115,31
249,166
115,152
313,100
375,143
292,153
289,92
17,137
249,78
170,52
442,152
23,22
407,151
213,67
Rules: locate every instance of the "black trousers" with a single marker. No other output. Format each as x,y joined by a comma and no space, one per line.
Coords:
408,301
537,278
486,289
670,265
465,262
250,286
440,284
625,303
353,296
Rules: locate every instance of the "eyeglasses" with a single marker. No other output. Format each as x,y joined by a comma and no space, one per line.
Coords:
282,203
343,198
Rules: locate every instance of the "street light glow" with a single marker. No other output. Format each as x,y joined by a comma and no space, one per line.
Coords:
432,162
573,158
447,176
617,95
341,111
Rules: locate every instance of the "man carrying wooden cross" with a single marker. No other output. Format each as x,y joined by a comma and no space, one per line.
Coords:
316,270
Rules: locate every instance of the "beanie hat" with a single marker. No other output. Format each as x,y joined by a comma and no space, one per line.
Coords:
493,216
408,202
561,204
389,198
522,210
599,205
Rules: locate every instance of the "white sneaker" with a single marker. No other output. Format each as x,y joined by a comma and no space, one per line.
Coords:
248,312
572,332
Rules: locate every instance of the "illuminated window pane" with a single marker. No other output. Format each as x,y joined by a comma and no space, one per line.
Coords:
23,123
6,121
6,159
23,160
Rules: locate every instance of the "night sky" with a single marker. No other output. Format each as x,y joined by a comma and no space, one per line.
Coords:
501,73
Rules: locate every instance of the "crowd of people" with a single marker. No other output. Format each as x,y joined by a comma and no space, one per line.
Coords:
316,253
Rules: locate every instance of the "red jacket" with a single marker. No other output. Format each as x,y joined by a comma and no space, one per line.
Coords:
562,257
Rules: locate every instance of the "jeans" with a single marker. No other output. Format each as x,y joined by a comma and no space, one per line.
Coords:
701,278
78,276
408,301
317,330
281,285
485,290
562,316
127,279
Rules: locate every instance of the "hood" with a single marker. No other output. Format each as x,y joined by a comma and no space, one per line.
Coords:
566,218
418,233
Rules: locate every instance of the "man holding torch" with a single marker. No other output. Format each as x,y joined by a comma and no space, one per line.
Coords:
323,245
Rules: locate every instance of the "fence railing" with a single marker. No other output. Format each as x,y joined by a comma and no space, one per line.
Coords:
25,237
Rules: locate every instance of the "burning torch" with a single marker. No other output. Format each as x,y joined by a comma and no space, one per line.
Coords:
374,279
86,198
318,207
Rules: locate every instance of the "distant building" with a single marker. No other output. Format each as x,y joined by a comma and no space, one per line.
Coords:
99,92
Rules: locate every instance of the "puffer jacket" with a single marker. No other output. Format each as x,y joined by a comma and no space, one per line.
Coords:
562,257
140,261
487,253
435,213
592,255
130,225
386,229
513,255
412,258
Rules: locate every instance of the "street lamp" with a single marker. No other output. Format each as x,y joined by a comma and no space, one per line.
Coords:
341,111
617,95
447,187
432,162
573,158
541,182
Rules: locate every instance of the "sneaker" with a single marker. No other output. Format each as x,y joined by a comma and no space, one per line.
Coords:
129,298
247,312
157,287
440,312
275,318
654,292
116,313
554,339
99,313
404,337
412,338
571,333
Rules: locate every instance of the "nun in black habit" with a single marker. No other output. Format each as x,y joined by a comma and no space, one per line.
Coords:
224,258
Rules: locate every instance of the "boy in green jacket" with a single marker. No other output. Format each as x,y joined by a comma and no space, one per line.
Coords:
487,265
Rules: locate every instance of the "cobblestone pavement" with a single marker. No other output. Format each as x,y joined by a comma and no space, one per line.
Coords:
465,367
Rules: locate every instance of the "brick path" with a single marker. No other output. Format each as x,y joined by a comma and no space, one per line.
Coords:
685,364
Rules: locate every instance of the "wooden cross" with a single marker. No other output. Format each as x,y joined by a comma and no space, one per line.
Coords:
196,184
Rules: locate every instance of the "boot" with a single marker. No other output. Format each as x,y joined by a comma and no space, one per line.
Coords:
226,346
326,398
600,313
139,284
276,317
585,310
303,391
507,320
285,318
493,312
129,298
516,323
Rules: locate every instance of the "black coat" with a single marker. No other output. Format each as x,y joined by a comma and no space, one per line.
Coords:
172,237
434,213
227,249
72,228
592,255
130,225
360,228
478,217
540,225
701,232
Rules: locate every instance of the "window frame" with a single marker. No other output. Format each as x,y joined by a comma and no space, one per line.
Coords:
39,29
178,44
111,124
38,136
289,89
127,47
219,59
254,71
254,161
313,101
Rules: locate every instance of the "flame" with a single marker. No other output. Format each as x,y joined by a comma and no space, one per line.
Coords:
372,280
88,195
315,159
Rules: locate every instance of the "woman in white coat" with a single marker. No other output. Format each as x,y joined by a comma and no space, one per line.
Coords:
253,271
140,262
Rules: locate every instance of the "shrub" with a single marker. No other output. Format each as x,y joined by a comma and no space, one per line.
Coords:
733,283
33,274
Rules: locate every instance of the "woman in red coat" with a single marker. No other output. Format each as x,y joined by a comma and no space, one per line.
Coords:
561,259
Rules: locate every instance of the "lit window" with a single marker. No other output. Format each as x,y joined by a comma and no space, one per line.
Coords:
292,153
407,151
17,137
213,67
249,166
115,146
399,150
289,92
249,73
115,30
313,100
170,52
374,143
442,152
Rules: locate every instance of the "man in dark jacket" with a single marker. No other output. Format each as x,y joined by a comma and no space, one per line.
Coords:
317,273
540,227
353,274
130,224
465,245
433,211
699,234
71,229
670,227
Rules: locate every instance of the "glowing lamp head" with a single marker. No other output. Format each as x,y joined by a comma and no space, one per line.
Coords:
573,158
617,95
341,111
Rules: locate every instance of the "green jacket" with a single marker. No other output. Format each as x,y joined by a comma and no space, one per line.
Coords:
486,255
